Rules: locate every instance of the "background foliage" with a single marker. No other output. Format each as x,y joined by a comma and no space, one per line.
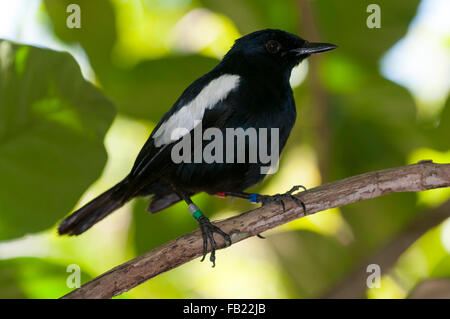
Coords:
140,55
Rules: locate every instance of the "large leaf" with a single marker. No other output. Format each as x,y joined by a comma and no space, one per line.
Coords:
52,124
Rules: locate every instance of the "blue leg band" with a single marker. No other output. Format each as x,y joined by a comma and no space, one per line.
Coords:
253,198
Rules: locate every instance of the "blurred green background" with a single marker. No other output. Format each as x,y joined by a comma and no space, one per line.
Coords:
72,124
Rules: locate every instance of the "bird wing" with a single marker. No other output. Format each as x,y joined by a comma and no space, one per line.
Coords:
206,102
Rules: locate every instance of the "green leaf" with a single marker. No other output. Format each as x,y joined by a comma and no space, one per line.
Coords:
52,125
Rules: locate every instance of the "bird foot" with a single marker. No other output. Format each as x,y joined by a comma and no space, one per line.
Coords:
278,198
208,230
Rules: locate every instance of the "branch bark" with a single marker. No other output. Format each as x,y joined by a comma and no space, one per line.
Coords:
422,176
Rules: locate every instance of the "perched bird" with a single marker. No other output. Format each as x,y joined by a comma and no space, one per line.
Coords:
249,88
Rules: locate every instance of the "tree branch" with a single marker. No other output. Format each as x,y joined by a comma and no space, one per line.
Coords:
412,178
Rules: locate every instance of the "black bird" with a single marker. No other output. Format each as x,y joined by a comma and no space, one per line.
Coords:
249,88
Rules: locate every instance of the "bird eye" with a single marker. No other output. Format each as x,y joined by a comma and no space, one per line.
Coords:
273,46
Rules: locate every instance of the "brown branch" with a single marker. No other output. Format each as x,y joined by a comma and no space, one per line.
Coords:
412,178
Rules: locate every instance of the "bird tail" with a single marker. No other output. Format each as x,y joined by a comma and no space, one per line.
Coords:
94,211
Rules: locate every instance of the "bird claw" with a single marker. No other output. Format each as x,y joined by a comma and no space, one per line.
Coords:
208,230
278,198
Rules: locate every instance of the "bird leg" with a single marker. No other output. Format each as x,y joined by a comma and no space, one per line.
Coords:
206,227
267,199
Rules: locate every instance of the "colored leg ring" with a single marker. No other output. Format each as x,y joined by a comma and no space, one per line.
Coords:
197,214
253,198
195,211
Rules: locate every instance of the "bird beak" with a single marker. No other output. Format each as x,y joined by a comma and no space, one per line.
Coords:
314,47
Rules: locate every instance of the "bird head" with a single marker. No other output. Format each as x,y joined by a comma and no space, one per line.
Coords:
271,52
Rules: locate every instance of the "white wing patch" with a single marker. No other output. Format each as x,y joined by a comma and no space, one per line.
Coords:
189,115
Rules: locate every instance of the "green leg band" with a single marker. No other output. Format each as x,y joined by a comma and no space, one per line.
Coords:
195,211
197,214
